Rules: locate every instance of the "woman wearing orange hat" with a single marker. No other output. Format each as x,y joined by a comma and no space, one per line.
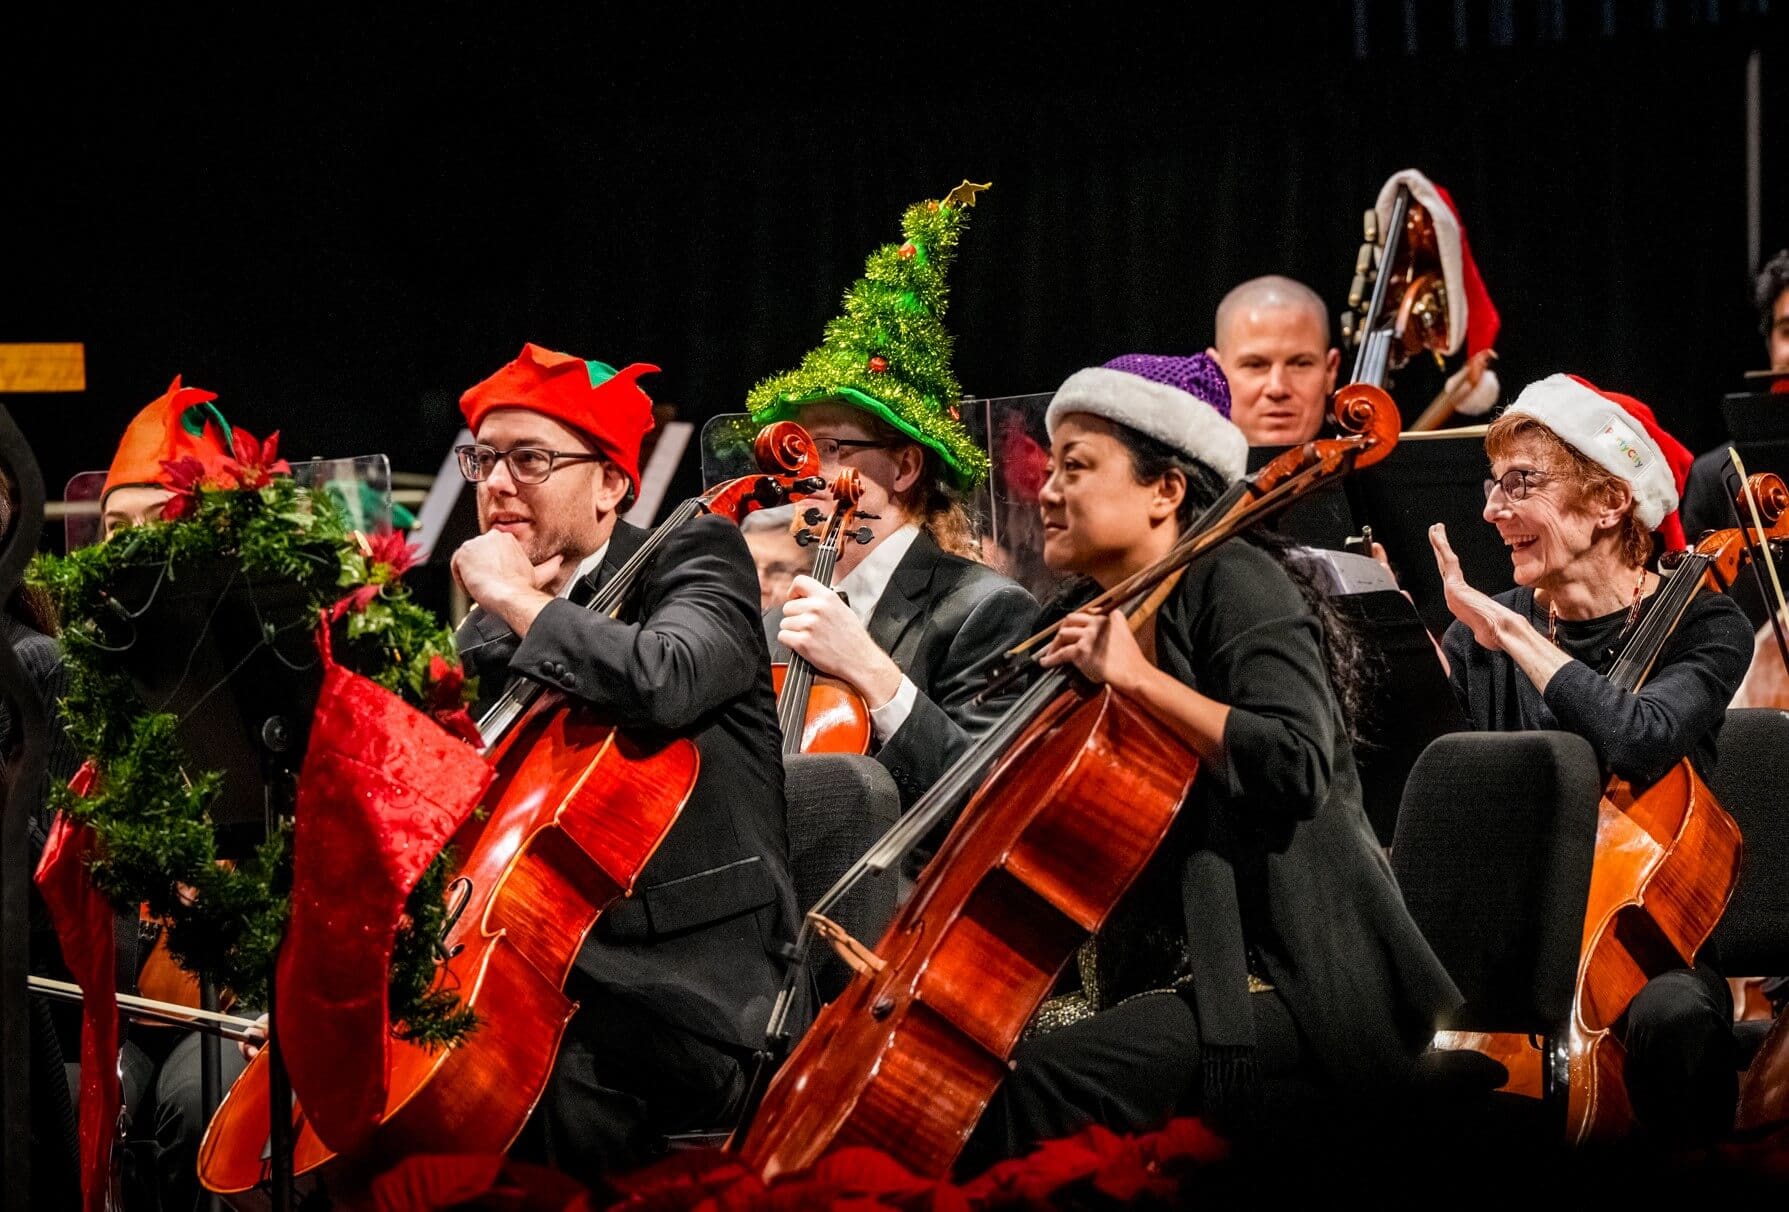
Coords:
1581,478
181,422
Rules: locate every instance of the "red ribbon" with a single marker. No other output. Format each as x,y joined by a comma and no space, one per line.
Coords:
83,919
382,789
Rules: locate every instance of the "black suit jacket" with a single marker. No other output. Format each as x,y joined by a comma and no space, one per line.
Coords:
940,616
699,941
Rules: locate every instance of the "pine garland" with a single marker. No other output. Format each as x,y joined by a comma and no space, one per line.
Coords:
151,813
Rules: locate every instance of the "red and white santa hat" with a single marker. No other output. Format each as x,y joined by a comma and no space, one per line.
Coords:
1619,434
1472,319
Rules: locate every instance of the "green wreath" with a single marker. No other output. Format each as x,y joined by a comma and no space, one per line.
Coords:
150,812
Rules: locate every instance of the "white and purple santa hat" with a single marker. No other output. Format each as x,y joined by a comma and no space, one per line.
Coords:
1181,402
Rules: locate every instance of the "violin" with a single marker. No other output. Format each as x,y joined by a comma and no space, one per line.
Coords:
576,809
821,714
1666,862
1068,795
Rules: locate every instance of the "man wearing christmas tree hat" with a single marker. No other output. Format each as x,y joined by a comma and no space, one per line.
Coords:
181,422
676,982
912,611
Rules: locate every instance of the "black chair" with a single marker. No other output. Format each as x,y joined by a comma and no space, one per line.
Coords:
838,806
1493,849
1750,778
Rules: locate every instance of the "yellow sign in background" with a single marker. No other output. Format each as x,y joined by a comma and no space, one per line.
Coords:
43,366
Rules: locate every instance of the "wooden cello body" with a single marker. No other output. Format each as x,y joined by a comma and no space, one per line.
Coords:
1667,859
1073,790
576,810
1065,823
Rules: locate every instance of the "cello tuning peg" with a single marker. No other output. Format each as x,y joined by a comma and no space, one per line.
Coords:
805,538
862,534
813,517
1369,226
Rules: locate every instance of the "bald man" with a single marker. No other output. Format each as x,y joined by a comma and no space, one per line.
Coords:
1273,342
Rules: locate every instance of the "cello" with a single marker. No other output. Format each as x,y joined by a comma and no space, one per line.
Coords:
1080,787
576,810
823,714
1666,861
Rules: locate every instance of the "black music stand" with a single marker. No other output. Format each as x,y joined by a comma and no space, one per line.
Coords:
233,657
1427,478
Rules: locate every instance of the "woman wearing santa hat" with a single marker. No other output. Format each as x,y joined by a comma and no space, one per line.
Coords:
1581,479
1305,961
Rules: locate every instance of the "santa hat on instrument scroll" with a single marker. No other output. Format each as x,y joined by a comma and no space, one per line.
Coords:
1620,435
179,423
607,405
1472,319
1182,402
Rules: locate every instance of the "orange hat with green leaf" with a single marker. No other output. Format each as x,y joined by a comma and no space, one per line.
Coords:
179,423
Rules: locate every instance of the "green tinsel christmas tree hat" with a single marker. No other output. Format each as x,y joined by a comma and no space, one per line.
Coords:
889,353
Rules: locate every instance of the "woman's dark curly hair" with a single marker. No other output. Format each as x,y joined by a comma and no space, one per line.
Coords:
1350,661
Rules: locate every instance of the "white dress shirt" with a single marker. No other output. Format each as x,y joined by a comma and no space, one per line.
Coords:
863,587
586,566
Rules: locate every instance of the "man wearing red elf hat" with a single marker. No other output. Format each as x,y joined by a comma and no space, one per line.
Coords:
1582,479
179,423
676,982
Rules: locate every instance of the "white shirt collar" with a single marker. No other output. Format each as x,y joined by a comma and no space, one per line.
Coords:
586,566
865,584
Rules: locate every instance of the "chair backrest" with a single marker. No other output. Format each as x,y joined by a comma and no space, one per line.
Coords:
1494,843
839,805
1751,781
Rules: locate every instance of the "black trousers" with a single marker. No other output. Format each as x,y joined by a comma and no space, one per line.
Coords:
164,1096
625,1079
1129,1068
1682,1074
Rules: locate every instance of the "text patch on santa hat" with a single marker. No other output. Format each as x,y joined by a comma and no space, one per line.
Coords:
1621,441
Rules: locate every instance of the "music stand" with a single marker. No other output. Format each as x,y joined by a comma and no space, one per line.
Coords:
1429,478
232,657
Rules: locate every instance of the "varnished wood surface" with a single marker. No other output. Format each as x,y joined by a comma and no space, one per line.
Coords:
576,811
837,719
906,1059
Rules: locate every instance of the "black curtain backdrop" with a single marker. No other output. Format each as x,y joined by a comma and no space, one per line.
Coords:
341,224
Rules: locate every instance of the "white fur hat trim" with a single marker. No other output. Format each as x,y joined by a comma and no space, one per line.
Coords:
1607,434
1165,413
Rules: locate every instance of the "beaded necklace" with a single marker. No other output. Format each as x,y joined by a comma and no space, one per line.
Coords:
1633,613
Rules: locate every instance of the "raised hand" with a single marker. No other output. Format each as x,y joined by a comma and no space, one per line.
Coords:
1488,618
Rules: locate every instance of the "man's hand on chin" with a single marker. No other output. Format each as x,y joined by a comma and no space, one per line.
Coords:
495,572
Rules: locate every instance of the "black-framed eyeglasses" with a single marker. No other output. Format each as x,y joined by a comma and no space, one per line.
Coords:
1516,483
831,448
527,464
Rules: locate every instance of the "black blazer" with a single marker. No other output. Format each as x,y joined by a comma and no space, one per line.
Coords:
699,942
940,616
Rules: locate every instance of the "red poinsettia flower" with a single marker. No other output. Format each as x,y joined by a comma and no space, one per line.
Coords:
256,463
393,550
359,600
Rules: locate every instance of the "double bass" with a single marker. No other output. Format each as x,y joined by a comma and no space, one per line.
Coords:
1080,787
576,809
